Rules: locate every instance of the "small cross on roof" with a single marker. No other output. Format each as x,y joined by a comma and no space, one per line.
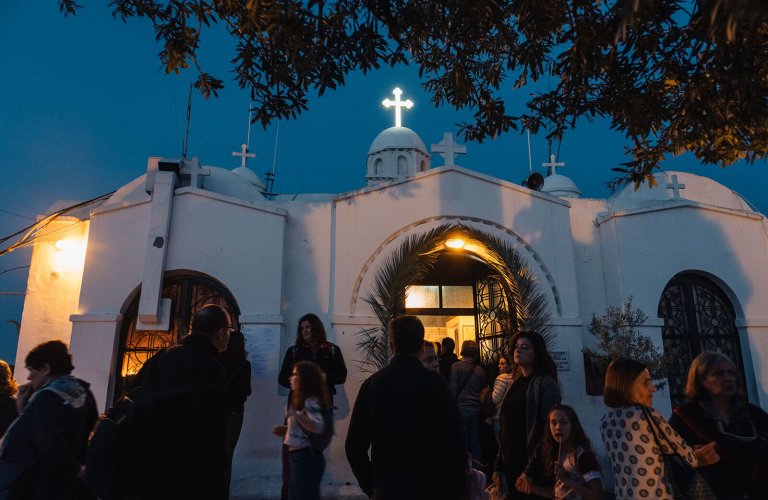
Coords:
448,149
552,165
244,155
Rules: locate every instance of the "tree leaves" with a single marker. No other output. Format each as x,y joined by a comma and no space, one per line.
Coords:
618,336
673,76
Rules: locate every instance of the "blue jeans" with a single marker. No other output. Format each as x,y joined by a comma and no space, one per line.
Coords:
307,468
472,423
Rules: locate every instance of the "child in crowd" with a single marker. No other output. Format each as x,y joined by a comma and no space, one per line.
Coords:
565,455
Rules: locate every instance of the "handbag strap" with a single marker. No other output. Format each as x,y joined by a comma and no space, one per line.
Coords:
654,428
693,427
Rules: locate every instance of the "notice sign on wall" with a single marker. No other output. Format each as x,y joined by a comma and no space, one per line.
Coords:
562,360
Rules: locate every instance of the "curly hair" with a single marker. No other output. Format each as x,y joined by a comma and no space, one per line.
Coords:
318,329
8,385
311,384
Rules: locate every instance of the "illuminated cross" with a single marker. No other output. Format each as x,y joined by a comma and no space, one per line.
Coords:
448,149
244,155
398,105
675,187
552,165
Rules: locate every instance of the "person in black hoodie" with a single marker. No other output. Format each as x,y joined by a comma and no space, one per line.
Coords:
43,451
187,455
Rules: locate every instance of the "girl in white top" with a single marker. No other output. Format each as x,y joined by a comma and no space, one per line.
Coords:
628,434
500,386
565,454
303,413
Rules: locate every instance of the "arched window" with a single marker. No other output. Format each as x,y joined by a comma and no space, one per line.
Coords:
402,165
188,292
377,166
697,317
423,166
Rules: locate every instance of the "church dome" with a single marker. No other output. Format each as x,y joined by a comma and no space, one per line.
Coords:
395,154
397,138
674,187
560,185
249,175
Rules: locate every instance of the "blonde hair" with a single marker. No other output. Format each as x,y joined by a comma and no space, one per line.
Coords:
8,385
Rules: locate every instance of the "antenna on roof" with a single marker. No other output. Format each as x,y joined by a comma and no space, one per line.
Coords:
530,164
270,176
186,134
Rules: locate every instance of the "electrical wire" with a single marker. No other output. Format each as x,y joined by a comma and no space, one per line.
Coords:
32,232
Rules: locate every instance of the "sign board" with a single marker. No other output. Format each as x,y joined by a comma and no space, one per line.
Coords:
562,360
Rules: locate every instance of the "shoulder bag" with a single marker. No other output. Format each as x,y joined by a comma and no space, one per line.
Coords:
687,483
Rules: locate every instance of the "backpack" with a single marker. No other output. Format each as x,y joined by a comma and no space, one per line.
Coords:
321,441
123,435
487,406
116,443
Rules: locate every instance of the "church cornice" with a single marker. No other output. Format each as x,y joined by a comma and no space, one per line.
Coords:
444,170
674,205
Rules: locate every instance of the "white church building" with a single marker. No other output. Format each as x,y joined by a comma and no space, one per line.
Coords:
120,279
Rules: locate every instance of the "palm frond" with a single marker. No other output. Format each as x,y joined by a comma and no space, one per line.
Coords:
526,305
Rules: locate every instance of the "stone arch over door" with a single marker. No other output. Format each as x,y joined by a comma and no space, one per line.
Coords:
698,316
188,291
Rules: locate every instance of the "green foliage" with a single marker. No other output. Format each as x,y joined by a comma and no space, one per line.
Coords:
618,336
672,76
416,257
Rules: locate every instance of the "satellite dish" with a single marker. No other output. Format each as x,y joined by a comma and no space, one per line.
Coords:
534,181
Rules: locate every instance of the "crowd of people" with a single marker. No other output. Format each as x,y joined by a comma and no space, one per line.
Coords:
416,428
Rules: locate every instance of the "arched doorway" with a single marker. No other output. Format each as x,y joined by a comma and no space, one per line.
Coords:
698,316
499,293
460,299
188,292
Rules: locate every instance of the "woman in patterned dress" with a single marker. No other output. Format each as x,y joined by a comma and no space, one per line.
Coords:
636,458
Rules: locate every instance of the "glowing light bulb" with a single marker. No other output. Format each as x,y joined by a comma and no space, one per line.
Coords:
454,243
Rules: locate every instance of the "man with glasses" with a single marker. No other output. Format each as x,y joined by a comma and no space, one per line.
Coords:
186,455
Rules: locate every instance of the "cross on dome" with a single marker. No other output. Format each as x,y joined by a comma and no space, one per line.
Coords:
448,149
552,164
244,155
398,105
675,187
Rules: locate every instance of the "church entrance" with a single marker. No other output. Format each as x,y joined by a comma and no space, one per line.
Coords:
460,299
188,293
463,283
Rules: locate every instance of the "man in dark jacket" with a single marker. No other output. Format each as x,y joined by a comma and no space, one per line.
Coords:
187,453
447,358
395,412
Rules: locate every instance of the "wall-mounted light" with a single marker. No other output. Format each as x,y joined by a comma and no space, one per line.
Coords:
455,243
68,256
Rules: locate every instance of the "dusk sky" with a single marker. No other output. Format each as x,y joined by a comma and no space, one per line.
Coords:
85,101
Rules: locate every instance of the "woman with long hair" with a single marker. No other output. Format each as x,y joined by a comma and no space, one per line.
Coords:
565,454
304,416
525,407
8,390
715,409
636,435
